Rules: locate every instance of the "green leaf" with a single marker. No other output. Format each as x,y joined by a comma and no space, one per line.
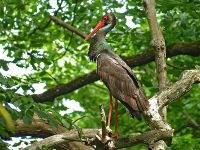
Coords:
80,132
2,97
42,73
65,123
2,79
10,82
52,121
42,114
4,64
28,118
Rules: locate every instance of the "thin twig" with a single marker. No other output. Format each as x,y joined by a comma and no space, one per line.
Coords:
51,76
104,140
68,26
192,121
182,127
177,67
79,118
103,122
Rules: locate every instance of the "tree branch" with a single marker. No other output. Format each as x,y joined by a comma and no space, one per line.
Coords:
179,88
40,128
188,125
62,89
192,121
68,26
61,138
192,49
182,127
158,43
89,134
177,67
103,139
167,96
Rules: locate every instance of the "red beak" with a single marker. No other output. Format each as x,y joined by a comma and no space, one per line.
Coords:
100,25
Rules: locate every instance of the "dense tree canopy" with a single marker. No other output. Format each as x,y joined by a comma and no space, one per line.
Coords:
32,38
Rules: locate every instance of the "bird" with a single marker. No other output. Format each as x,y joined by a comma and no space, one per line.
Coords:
118,77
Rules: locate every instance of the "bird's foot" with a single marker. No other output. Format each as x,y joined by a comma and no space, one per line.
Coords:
115,136
110,134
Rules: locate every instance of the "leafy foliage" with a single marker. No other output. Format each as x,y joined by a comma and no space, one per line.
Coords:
56,56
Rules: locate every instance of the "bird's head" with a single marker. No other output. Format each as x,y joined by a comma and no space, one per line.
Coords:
108,21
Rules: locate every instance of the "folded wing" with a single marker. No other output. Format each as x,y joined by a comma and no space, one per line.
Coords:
122,83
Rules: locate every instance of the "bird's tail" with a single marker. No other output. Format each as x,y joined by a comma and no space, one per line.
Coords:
133,113
142,101
137,114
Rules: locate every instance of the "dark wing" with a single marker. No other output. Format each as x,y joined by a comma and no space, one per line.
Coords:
143,101
122,83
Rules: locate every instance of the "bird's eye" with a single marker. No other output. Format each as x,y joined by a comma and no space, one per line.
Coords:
104,19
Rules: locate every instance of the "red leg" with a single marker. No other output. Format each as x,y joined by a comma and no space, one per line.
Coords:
116,106
110,109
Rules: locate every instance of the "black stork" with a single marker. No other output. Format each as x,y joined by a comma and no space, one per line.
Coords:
115,73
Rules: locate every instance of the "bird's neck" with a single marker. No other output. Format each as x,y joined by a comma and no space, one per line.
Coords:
99,45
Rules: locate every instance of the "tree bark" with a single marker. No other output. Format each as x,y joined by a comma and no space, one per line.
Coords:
158,44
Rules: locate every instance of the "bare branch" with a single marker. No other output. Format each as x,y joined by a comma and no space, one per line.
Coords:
122,142
167,96
62,89
64,138
177,67
192,121
153,117
158,43
159,145
103,122
103,139
179,88
61,137
79,118
40,128
68,26
182,127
